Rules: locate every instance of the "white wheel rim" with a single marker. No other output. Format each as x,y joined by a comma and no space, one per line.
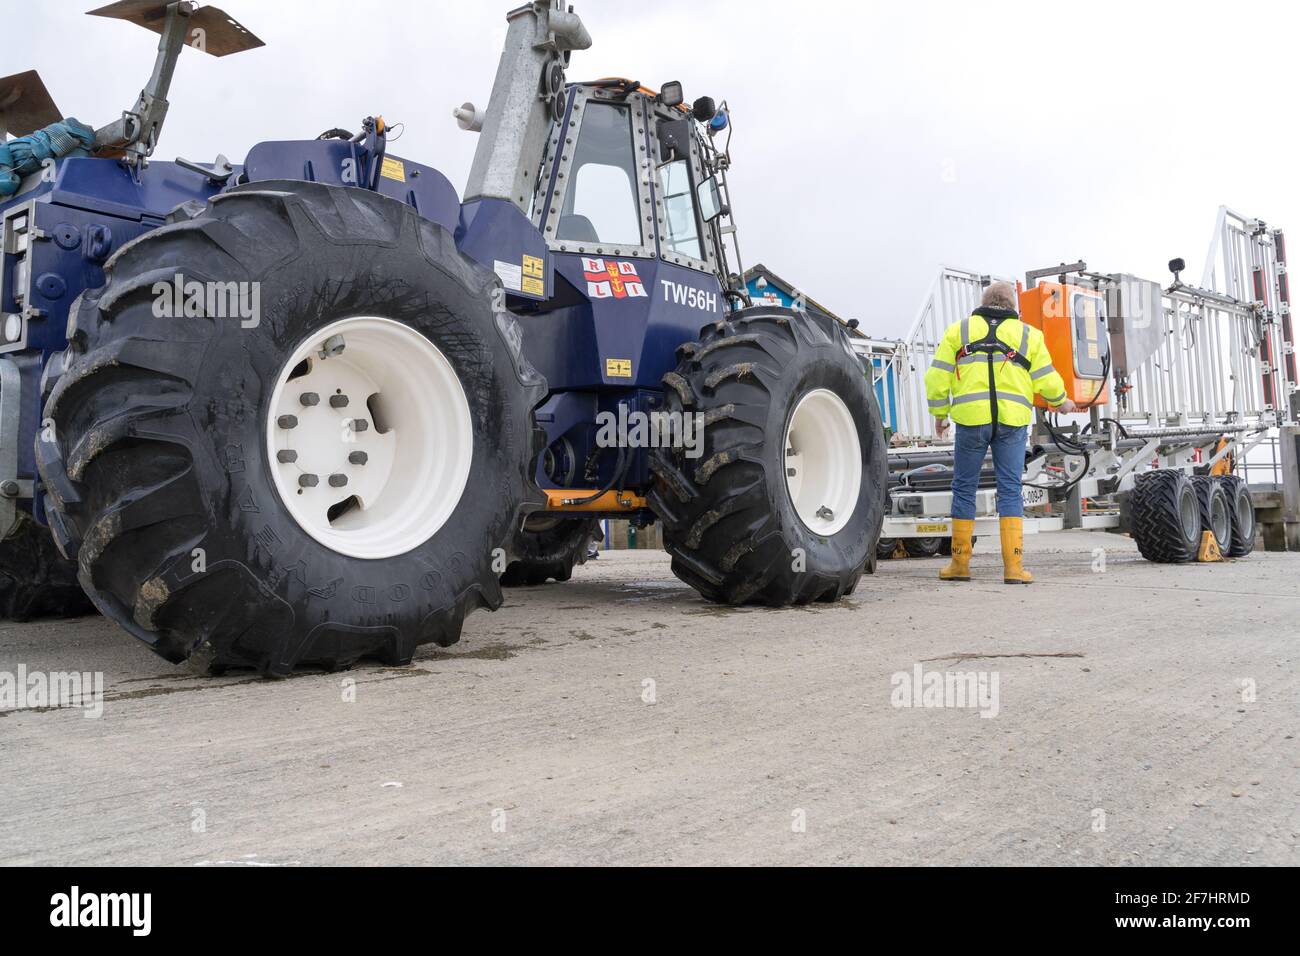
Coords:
406,415
823,462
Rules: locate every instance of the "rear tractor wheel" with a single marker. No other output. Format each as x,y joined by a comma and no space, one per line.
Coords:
35,580
324,483
782,502
549,547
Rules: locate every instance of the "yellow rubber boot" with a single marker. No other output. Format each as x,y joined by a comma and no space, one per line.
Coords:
958,568
1013,552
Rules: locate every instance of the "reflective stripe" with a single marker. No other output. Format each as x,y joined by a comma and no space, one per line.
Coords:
1024,340
979,358
1047,369
1055,399
942,366
1002,397
938,403
965,332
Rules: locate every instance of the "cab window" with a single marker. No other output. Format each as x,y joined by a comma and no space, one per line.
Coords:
681,227
601,204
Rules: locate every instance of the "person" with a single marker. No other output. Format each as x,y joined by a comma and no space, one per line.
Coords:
985,374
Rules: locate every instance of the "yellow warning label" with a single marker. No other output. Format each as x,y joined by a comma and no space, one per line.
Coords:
931,528
393,169
533,286
533,267
618,368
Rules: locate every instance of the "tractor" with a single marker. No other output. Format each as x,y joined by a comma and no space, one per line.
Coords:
315,407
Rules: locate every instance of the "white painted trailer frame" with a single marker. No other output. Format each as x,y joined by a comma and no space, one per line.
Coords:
1219,378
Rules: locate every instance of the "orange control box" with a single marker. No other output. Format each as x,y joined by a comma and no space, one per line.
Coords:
1073,322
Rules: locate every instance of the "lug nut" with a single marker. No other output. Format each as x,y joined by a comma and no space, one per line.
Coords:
826,513
309,399
308,481
358,458
338,401
790,472
360,424
338,481
286,457
332,346
287,421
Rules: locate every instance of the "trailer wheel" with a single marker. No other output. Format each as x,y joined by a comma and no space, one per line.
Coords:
549,547
318,482
35,580
1215,510
1166,516
925,547
1241,510
885,548
785,500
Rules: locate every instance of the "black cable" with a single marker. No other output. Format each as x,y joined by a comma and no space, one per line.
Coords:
620,467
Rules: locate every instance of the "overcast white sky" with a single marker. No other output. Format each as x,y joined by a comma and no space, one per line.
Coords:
873,141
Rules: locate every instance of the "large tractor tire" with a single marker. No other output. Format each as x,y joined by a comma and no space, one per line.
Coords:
35,580
1166,516
325,483
1216,516
549,547
1241,510
784,502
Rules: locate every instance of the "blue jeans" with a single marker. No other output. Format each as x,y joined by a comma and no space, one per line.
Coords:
971,443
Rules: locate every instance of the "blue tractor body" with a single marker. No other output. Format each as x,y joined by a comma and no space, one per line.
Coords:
602,329
434,394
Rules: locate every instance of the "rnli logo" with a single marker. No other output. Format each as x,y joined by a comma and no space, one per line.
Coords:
612,279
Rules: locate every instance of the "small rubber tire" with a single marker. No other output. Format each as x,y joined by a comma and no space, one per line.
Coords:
729,521
1166,516
1241,509
885,548
158,476
548,547
1215,509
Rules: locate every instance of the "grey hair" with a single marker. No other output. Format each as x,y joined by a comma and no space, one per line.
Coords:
1000,295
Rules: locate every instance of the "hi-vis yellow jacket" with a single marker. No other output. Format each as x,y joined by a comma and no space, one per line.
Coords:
991,361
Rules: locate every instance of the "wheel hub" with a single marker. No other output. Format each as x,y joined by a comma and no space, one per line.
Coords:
369,437
823,462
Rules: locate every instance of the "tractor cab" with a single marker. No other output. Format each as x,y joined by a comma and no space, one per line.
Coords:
628,172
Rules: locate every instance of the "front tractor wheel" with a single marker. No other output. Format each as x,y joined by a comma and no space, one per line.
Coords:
782,501
325,481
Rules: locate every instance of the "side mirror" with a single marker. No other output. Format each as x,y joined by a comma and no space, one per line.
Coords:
709,198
